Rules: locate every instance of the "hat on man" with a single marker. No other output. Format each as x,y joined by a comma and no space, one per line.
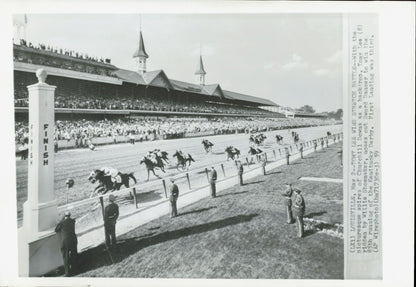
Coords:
172,179
111,198
67,213
297,190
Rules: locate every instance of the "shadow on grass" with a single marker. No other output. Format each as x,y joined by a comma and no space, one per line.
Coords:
219,152
196,210
98,257
148,196
312,214
274,172
234,193
309,232
254,182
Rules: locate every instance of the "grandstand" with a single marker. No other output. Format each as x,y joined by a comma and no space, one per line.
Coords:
88,83
95,99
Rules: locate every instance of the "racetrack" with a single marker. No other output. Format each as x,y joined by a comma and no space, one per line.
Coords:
77,164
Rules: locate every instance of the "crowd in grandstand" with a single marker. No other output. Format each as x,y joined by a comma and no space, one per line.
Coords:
143,129
66,52
146,104
59,63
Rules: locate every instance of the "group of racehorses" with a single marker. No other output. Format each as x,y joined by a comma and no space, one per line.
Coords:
110,179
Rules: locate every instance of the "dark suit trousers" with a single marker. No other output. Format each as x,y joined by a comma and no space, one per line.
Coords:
110,234
213,189
173,208
69,255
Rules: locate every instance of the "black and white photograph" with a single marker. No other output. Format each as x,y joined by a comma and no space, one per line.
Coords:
194,145
240,134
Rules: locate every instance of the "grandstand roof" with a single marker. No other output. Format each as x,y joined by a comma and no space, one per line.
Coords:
156,78
188,87
130,77
247,98
200,70
214,90
140,52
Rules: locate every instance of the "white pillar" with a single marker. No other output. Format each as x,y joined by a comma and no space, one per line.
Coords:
38,243
40,213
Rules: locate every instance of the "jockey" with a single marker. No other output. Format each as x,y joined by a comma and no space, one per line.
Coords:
113,173
152,157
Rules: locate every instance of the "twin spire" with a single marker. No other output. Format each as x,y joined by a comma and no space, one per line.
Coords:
141,56
200,72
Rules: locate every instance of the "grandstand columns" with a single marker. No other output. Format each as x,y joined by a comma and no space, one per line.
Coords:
38,243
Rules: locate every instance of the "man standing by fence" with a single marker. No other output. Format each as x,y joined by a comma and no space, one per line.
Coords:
111,214
301,150
68,239
240,170
174,194
263,162
299,211
288,203
287,155
212,181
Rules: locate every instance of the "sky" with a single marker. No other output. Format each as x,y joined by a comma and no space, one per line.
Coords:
291,59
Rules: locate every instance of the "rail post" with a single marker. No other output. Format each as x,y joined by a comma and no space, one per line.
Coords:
135,197
189,181
223,170
164,187
274,153
280,152
265,156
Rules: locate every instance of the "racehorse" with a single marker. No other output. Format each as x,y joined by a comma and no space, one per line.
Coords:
232,152
254,151
161,154
207,145
106,183
151,165
279,139
296,138
257,139
183,160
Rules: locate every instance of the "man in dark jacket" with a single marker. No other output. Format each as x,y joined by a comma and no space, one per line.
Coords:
288,203
110,218
287,155
212,181
174,194
240,169
301,150
299,211
68,239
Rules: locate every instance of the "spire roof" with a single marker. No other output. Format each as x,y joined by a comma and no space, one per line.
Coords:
200,70
141,52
